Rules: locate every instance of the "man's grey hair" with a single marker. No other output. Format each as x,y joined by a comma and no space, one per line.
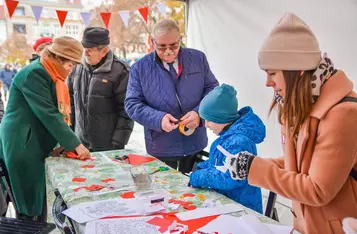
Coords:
164,26
100,47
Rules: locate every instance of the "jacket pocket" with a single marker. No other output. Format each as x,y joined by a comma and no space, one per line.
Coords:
336,226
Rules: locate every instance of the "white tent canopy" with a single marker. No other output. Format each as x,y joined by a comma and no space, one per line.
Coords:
231,32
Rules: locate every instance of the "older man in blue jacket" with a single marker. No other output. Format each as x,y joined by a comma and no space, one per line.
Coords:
164,91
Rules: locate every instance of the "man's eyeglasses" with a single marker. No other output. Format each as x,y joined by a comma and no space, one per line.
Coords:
164,47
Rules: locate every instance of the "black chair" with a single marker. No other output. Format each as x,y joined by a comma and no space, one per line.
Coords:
270,210
5,180
18,226
60,219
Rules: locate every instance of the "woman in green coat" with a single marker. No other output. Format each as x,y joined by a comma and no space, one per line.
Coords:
36,119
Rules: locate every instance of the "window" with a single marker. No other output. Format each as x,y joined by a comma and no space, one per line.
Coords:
20,28
19,11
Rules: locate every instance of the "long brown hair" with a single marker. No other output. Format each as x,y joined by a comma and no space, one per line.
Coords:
297,101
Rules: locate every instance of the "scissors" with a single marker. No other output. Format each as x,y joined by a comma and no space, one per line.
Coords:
161,168
124,158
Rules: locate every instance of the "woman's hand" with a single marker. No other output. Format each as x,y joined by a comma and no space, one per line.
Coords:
58,151
83,152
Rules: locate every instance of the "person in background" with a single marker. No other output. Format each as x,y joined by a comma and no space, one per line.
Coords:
318,120
165,89
36,119
238,131
6,76
98,87
39,47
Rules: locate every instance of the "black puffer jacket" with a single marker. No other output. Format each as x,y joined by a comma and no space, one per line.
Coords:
97,102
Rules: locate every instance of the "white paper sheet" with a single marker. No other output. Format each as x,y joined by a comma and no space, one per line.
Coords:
89,211
248,224
122,225
205,212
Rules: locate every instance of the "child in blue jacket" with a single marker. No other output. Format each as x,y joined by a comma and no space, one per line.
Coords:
238,131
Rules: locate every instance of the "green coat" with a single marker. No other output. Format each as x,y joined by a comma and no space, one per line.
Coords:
30,129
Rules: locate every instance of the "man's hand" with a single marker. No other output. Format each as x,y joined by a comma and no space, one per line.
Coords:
58,151
191,120
169,123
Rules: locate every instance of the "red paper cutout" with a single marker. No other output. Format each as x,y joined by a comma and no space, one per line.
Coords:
108,180
61,16
144,13
189,207
188,195
106,18
135,159
180,202
192,224
11,6
77,189
95,187
162,223
128,195
87,166
77,179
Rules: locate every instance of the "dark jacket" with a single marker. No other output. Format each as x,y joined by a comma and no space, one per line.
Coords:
30,129
151,94
97,102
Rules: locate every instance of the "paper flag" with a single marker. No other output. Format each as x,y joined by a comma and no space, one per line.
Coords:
125,17
162,8
37,10
86,18
11,6
144,13
106,18
61,16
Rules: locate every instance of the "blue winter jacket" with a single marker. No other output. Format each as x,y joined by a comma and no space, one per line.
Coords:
151,94
242,135
6,76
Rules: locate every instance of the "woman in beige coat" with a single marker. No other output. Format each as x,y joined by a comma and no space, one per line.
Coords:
318,134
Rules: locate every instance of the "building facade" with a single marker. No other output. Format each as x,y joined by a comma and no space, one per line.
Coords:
24,22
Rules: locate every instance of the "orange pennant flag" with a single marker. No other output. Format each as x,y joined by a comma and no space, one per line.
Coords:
144,13
11,6
106,18
61,16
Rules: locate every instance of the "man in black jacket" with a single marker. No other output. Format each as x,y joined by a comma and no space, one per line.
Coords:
97,88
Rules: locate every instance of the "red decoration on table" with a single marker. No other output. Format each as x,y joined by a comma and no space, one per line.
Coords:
128,195
95,187
87,166
135,159
189,207
77,189
188,195
108,180
78,179
11,6
164,224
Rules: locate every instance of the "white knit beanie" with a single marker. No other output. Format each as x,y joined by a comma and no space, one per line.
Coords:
290,46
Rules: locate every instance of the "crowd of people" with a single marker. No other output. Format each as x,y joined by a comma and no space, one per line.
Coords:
65,102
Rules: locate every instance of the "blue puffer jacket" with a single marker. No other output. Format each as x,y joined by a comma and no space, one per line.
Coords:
242,135
151,94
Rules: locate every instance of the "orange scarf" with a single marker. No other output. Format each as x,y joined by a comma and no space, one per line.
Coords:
59,75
